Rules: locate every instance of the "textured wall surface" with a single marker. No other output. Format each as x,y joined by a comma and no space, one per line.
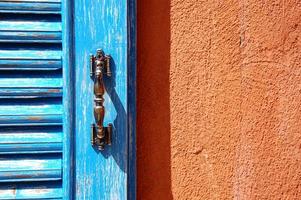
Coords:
219,99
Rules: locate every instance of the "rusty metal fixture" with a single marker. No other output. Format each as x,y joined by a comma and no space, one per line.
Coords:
100,66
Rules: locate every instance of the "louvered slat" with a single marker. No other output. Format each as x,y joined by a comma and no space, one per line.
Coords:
30,120
28,112
30,30
15,168
25,191
33,59
34,108
30,6
43,139
30,87
30,82
30,92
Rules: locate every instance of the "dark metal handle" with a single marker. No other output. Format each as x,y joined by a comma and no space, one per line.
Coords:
100,66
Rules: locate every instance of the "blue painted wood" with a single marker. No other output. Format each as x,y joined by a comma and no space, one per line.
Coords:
68,100
30,30
30,54
30,6
103,24
41,112
30,120
31,148
30,109
25,191
34,140
132,58
16,168
33,92
33,109
30,64
30,59
30,82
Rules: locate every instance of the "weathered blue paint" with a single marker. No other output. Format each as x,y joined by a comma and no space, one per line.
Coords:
30,92
30,120
33,140
46,99
132,58
68,99
22,191
31,6
30,29
34,100
102,24
20,168
13,57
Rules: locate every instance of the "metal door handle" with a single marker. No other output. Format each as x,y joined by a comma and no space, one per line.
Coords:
100,66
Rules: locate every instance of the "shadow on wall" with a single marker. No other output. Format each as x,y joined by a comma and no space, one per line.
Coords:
153,106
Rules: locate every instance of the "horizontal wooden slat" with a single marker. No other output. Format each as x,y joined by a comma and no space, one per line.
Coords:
30,24
16,168
30,64
39,111
30,120
29,148
30,82
33,1
30,6
31,191
32,36
33,140
36,54
31,108
30,92
30,30
19,59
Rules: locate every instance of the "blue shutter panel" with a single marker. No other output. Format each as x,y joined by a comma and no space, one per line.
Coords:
31,100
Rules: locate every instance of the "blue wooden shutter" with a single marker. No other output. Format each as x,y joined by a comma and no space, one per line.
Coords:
31,100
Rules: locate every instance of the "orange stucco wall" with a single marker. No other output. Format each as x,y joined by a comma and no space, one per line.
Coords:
219,99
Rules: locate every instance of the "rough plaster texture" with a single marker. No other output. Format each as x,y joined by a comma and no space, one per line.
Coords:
219,99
